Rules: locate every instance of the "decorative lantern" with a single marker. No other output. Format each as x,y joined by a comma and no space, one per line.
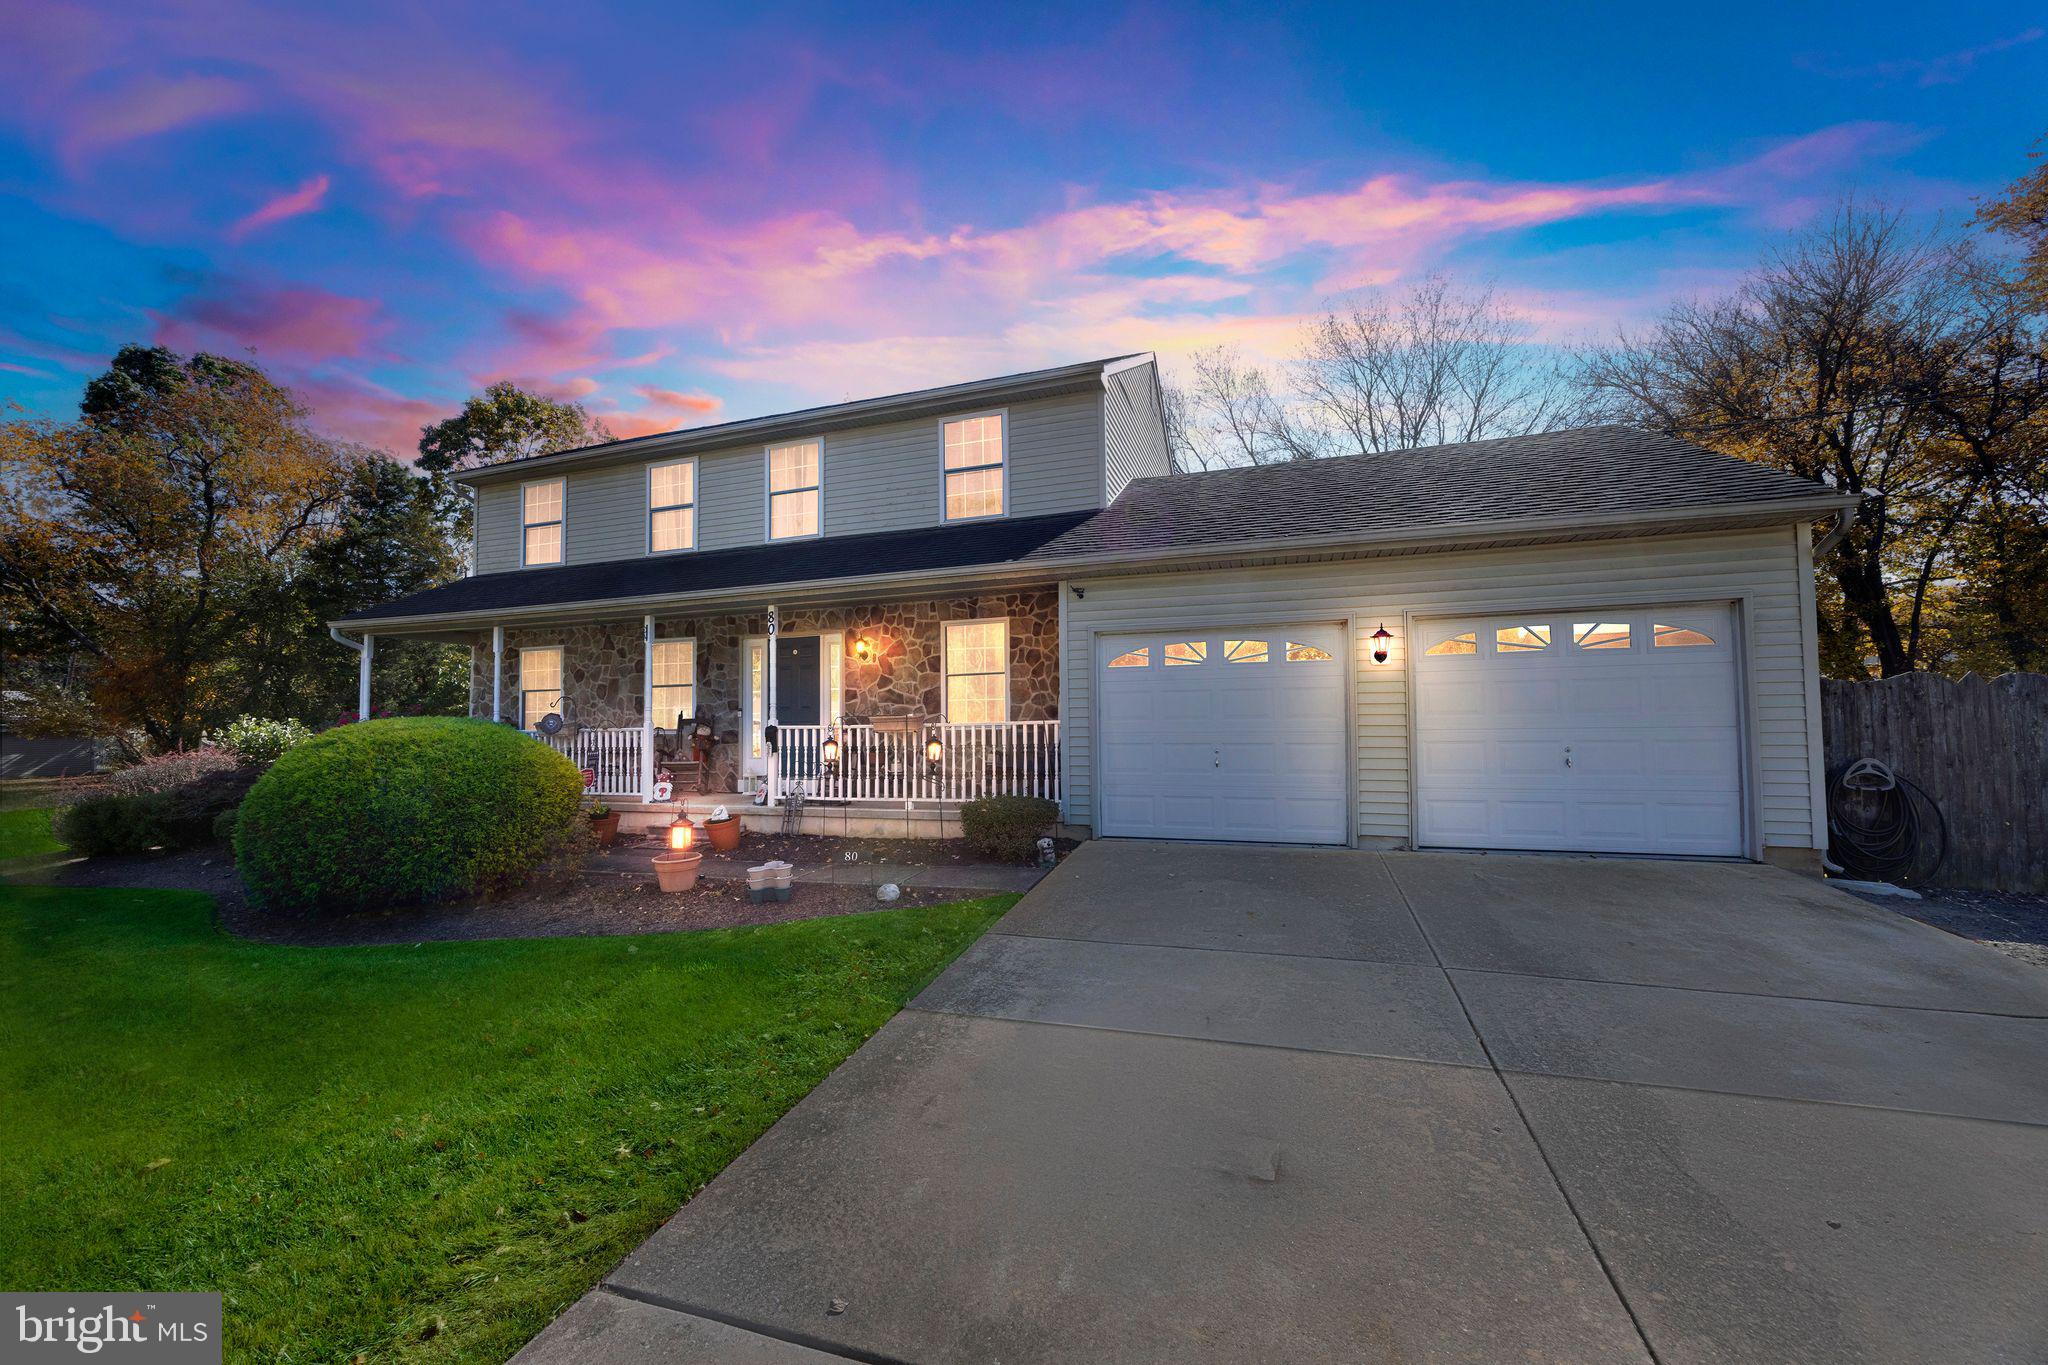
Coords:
933,752
830,753
863,649
682,836
1379,645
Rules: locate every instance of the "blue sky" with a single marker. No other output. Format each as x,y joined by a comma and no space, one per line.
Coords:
679,214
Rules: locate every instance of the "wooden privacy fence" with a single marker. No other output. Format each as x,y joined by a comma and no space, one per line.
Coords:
1979,748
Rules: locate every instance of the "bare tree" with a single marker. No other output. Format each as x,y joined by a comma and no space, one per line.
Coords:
1810,367
1228,414
1433,365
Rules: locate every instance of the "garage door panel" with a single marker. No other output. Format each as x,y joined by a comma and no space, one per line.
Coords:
1242,745
1653,735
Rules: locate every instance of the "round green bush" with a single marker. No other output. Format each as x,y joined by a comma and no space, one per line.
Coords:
389,812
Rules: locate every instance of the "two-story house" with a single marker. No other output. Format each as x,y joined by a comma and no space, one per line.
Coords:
1598,640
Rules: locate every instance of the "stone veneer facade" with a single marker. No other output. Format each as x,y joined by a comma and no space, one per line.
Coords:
602,661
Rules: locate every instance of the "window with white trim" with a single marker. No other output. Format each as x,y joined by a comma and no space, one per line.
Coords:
794,480
540,685
975,452
540,521
977,671
675,681
672,506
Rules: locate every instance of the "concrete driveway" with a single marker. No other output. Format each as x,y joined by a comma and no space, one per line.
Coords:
1219,1103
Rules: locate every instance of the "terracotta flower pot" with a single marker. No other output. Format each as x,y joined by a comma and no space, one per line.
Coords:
724,834
605,827
677,871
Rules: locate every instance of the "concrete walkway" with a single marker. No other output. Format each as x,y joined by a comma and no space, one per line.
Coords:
1216,1103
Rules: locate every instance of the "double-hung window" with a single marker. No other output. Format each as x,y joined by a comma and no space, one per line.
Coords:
671,506
540,519
977,671
675,681
540,685
975,450
793,484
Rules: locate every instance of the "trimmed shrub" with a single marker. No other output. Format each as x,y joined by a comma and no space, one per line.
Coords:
192,812
389,812
111,824
256,742
1008,827
165,772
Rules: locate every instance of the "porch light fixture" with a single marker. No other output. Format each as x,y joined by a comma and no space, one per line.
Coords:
1379,645
829,753
933,752
682,835
863,649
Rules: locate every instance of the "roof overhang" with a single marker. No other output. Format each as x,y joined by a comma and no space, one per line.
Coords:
1052,568
896,407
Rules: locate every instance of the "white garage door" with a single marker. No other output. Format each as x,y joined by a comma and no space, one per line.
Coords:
1232,734
1598,731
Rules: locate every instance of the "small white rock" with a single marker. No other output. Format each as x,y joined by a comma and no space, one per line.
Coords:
887,891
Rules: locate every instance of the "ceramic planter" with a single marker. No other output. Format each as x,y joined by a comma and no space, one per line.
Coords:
677,871
724,834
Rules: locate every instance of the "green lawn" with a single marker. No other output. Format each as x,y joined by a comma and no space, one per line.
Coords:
416,1153
26,831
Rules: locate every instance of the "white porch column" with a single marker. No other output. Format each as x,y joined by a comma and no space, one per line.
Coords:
497,673
647,709
363,677
775,756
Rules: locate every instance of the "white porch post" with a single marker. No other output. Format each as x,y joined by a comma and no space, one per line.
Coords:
497,673
363,677
774,756
647,710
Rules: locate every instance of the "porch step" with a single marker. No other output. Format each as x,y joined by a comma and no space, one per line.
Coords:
857,820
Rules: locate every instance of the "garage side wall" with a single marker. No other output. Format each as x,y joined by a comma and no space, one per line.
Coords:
1765,567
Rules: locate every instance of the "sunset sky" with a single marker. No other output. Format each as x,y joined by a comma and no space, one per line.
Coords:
678,216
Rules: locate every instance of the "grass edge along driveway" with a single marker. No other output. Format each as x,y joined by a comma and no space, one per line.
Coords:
399,1153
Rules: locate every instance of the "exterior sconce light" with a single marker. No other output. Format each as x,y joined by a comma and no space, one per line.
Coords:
863,649
1379,645
682,836
829,753
933,752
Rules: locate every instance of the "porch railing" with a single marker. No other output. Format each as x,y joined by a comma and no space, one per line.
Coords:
1011,758
613,753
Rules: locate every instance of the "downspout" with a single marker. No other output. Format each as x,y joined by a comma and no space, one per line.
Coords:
1844,519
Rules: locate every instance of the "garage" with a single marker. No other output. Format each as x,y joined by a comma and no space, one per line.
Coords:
1234,734
1600,731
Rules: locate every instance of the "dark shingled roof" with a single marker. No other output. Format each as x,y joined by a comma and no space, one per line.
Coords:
976,544
1589,472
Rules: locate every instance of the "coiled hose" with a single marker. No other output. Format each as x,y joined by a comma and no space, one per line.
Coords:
1882,827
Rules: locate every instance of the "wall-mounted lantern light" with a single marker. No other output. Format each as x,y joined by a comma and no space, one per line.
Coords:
830,753
1379,645
863,649
933,752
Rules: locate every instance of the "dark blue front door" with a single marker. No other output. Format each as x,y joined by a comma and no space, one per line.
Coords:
796,680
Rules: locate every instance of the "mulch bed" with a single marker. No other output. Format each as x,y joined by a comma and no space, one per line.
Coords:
587,904
2013,922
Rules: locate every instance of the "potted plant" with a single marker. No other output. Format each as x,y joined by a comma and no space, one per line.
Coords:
604,823
723,829
676,866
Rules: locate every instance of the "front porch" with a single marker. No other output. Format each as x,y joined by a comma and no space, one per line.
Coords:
880,718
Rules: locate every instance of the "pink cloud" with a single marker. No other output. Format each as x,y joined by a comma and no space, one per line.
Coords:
145,107
355,409
288,322
291,204
664,410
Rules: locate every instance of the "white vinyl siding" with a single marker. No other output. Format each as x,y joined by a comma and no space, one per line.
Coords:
540,684
1133,429
541,514
1760,568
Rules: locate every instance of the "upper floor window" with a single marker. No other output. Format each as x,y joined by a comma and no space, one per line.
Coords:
672,506
540,515
975,451
793,483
